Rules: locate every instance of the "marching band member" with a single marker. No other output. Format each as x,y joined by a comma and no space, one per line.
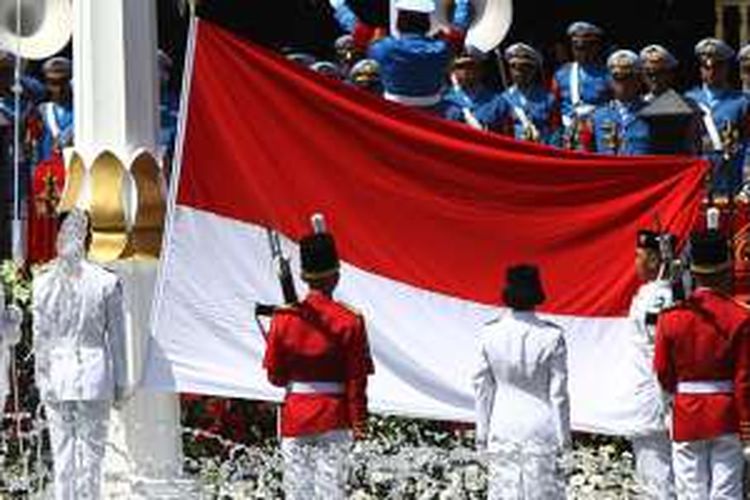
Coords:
702,357
521,394
79,345
413,65
649,436
318,351
617,128
536,115
583,84
725,115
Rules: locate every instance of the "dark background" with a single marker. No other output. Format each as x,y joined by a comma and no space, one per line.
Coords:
308,25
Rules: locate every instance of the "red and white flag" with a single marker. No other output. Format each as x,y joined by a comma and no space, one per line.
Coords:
427,214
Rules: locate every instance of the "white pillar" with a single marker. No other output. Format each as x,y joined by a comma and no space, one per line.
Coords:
116,110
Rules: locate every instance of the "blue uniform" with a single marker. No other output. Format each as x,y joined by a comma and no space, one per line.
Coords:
617,130
57,130
593,83
535,114
412,66
483,104
729,111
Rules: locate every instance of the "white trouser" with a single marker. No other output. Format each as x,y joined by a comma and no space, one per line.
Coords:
78,433
315,465
709,469
520,474
653,465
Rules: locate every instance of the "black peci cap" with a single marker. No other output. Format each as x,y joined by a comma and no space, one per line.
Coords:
319,256
523,287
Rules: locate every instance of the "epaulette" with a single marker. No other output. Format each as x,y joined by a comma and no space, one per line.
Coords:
351,309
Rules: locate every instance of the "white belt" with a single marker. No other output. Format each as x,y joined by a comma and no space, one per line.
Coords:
413,100
315,387
705,386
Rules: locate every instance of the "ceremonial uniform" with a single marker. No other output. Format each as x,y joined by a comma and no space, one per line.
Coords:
535,113
79,345
55,115
649,436
521,396
702,356
579,88
318,351
10,335
617,129
480,108
725,120
413,66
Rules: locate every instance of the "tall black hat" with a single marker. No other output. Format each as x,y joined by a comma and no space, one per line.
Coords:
318,253
709,252
523,287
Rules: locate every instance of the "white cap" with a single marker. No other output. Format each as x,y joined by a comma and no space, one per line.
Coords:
584,28
660,53
523,51
624,59
714,48
423,6
744,53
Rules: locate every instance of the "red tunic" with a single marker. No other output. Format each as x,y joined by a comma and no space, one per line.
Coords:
47,188
705,338
319,341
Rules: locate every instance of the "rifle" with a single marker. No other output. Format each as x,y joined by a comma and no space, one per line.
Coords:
284,273
672,267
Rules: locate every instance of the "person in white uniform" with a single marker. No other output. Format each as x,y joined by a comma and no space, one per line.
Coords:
521,394
10,334
79,345
649,437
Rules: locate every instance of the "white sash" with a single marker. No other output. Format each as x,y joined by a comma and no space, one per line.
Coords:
525,120
575,82
51,118
711,128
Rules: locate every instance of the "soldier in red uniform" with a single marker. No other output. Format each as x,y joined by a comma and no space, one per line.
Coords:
318,351
702,357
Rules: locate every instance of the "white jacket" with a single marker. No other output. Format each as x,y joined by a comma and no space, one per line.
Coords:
10,335
85,360
650,299
520,383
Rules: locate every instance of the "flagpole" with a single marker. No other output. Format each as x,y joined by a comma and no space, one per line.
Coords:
16,227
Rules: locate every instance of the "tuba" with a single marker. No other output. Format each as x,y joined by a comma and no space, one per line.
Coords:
492,20
45,27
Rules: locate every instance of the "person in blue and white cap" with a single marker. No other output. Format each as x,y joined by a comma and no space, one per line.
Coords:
472,102
658,70
725,116
366,76
56,113
617,129
534,110
413,66
583,84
